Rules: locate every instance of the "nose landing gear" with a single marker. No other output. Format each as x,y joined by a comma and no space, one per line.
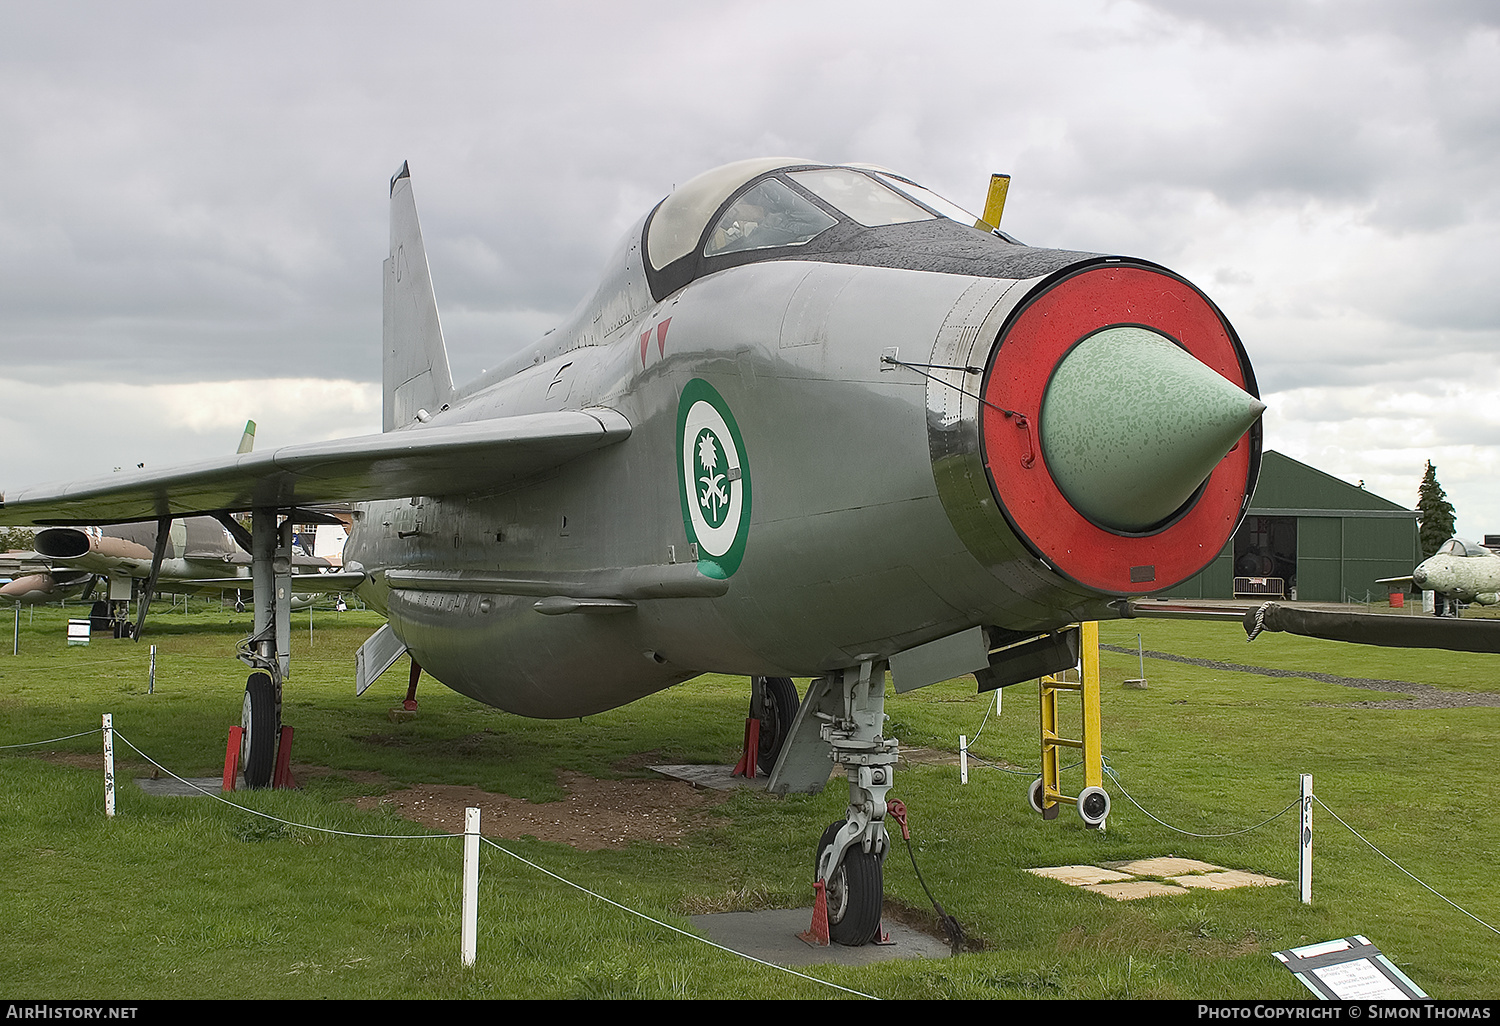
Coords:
851,852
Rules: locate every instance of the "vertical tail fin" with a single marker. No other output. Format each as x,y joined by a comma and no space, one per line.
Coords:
415,361
247,440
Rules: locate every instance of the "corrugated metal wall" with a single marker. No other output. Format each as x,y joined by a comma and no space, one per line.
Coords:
1347,537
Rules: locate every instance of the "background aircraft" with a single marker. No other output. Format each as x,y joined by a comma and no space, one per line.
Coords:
1458,571
199,555
814,421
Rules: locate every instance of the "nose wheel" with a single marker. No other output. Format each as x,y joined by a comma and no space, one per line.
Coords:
855,891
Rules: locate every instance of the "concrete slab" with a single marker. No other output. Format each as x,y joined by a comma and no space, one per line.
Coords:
1078,876
171,787
718,778
771,935
1134,889
1165,865
1227,880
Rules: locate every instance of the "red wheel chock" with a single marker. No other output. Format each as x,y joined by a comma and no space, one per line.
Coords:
232,757
282,776
817,934
746,766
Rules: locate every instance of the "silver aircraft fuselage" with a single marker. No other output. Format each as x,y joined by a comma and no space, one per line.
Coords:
871,520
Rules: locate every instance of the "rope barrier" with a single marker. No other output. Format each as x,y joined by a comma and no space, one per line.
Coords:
1294,804
1403,869
1233,833
66,737
266,815
669,926
449,836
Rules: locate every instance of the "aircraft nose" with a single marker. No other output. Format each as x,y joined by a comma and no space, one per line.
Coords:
1132,425
1419,577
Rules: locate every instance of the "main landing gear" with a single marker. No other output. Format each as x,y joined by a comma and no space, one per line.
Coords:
773,701
260,721
267,651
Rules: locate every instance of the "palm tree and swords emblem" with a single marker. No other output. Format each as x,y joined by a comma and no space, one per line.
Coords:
714,478
713,486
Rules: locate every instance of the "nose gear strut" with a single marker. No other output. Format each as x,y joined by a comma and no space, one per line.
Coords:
851,853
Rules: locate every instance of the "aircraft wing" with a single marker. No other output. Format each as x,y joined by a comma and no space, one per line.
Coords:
421,460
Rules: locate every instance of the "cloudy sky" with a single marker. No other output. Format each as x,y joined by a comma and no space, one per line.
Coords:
194,200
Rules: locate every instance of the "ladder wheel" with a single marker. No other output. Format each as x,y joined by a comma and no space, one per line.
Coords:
1034,795
1093,806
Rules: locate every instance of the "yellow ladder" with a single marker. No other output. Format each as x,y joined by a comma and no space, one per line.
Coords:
1046,793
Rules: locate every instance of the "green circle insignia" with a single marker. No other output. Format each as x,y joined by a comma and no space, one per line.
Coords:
713,479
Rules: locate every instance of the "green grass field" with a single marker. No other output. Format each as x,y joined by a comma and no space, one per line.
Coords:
190,898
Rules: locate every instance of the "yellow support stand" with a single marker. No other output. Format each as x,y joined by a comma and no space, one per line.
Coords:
1047,795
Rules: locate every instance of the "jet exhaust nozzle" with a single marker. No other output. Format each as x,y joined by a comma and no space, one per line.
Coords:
61,543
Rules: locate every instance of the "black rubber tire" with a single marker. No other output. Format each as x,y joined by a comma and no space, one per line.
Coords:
1093,806
855,892
260,720
779,703
1034,794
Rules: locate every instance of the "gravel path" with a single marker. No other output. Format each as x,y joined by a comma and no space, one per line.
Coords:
1419,696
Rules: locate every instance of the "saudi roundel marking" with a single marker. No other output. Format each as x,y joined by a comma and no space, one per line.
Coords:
713,479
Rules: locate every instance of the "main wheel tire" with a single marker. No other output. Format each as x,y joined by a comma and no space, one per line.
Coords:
259,718
855,891
778,708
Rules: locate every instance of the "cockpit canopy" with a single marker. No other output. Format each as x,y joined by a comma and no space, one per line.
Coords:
753,208
1459,547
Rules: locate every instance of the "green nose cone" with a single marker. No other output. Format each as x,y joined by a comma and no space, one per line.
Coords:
1132,424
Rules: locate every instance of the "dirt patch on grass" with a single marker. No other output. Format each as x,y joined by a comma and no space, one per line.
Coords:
77,760
595,814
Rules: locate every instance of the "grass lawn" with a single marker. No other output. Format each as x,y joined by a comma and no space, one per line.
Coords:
179,898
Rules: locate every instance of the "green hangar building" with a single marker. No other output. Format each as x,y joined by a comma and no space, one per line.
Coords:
1311,537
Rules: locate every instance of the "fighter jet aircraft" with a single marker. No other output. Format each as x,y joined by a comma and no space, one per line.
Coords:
200,555
1458,571
198,549
814,421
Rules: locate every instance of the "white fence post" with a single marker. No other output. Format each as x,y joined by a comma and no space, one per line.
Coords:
109,766
471,885
151,682
963,758
1304,867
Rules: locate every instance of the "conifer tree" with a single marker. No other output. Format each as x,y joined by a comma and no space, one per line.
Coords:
1434,512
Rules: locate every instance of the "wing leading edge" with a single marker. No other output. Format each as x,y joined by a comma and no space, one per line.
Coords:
438,460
